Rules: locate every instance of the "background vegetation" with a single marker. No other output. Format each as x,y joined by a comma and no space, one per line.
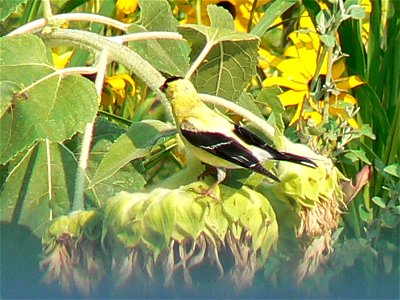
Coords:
96,190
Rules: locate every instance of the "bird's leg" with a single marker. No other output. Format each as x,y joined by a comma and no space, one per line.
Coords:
221,174
209,170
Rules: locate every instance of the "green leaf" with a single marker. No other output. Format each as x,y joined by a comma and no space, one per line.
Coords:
46,105
371,109
355,10
393,170
70,5
169,56
220,17
269,97
39,186
7,7
246,101
366,130
230,61
126,178
355,155
275,10
390,219
379,201
365,214
323,20
134,144
328,40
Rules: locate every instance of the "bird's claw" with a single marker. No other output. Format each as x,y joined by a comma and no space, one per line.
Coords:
205,193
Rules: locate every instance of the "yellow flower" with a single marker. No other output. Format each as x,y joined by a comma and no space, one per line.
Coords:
239,9
61,60
366,4
297,73
125,8
115,89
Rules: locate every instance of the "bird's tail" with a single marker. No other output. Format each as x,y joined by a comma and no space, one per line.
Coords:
290,157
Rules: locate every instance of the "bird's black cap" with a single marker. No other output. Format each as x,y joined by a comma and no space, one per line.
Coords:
165,84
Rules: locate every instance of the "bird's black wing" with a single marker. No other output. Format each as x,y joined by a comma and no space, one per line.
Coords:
252,139
226,148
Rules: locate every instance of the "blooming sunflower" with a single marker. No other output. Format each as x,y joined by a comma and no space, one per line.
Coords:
239,9
115,89
297,73
125,8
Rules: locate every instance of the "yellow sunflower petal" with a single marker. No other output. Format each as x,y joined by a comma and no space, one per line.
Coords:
294,69
116,83
338,69
316,116
292,98
61,60
306,22
349,82
285,82
347,98
296,115
353,123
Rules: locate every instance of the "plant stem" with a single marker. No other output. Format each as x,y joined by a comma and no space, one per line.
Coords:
198,12
40,23
253,8
47,13
140,36
199,60
118,53
49,175
328,82
79,202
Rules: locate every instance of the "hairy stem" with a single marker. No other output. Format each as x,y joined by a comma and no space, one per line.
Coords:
78,202
40,23
117,53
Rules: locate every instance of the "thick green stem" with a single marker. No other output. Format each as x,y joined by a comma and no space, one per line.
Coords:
47,13
117,53
79,200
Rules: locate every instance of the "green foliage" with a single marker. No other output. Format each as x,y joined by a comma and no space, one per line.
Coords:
7,7
171,57
143,216
37,98
231,57
39,186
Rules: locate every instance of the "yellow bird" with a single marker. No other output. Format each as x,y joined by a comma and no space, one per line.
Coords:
215,140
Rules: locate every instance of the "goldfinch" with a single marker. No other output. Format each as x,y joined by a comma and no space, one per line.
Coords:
215,140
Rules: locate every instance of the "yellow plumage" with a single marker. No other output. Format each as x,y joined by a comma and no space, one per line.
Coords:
215,140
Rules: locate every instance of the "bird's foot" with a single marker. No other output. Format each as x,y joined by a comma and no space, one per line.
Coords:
205,192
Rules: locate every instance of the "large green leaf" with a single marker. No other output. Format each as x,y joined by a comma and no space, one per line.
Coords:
124,178
169,56
134,144
230,61
39,186
274,10
8,6
39,103
220,18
